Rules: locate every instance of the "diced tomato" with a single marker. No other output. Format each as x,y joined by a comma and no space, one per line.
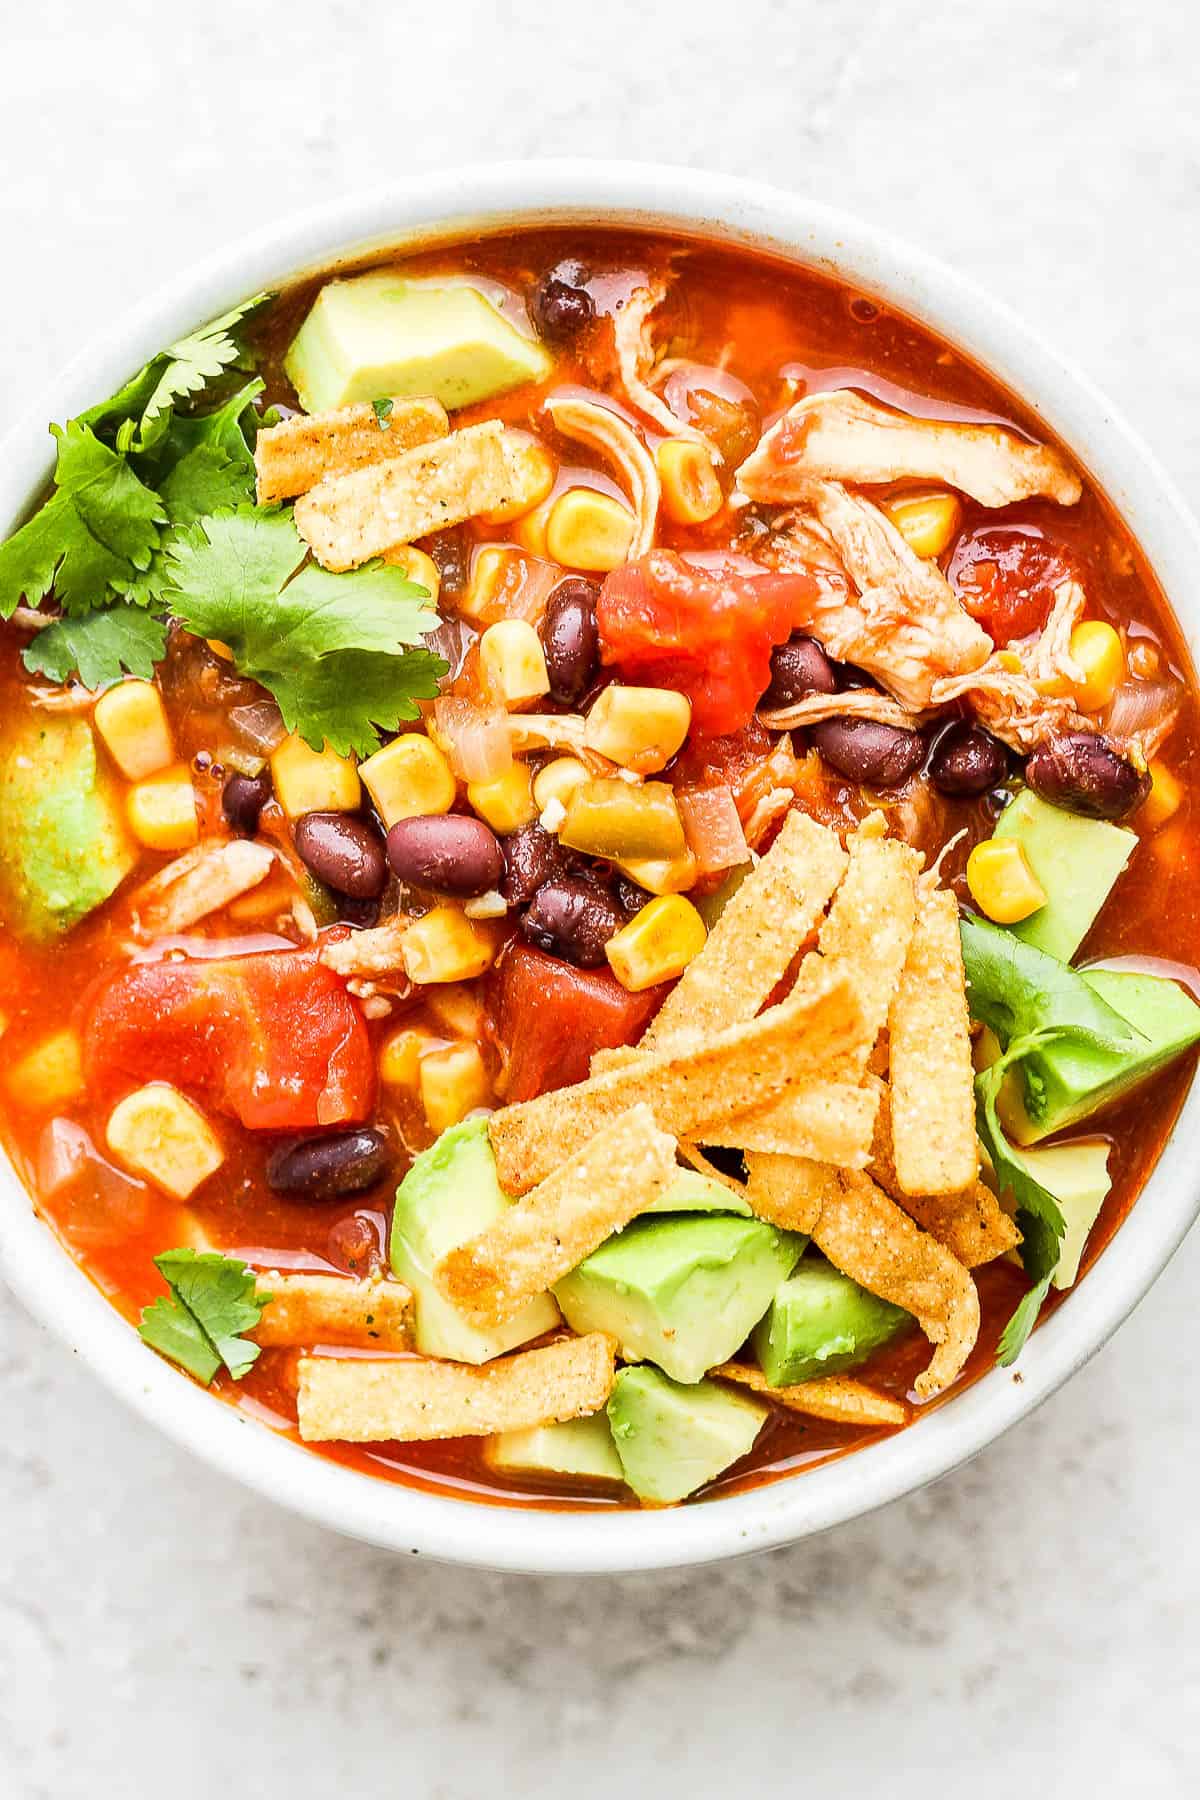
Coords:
667,623
1005,576
546,1019
273,1037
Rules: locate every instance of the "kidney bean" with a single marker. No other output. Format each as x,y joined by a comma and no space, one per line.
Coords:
531,858
966,759
798,668
1082,772
323,1168
560,305
570,640
243,798
860,749
448,852
572,918
343,852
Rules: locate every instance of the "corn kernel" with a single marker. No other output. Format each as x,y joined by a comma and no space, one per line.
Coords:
1098,650
162,810
313,780
691,493
537,478
613,818
638,728
530,531
1164,799
457,1008
132,720
657,944
454,1082
558,780
220,648
589,530
408,779
497,573
506,803
157,1133
400,1057
926,522
418,567
1001,881
48,1075
513,663
660,874
445,945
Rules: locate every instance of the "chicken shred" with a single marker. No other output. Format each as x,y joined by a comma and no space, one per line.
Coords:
635,358
855,703
200,883
607,432
1016,703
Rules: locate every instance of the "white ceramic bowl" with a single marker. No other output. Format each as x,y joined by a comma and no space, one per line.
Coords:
455,204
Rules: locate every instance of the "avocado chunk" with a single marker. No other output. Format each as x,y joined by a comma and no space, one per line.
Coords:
64,847
673,1438
681,1292
449,1195
380,335
692,1192
1077,1175
1077,862
582,1448
819,1322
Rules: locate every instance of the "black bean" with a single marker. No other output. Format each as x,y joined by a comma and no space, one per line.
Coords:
243,798
362,914
323,1168
531,858
798,668
967,760
343,852
560,305
572,918
448,852
630,897
451,554
570,639
1083,773
862,750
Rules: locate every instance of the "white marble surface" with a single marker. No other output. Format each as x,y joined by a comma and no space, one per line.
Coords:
1029,1624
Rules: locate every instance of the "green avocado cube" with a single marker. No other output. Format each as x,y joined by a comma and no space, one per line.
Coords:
692,1192
582,1448
1076,861
682,1292
381,335
674,1438
1077,1175
821,1321
450,1194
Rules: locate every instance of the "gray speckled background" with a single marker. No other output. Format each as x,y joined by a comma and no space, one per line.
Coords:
1031,1622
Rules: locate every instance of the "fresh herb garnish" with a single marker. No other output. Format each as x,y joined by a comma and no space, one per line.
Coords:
100,647
383,412
213,1299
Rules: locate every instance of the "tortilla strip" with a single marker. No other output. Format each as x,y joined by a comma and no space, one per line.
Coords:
830,1121
204,885
605,431
363,1401
833,1397
869,1238
870,925
333,1309
788,1191
614,1177
735,1069
973,1225
293,457
933,1080
749,949
696,1159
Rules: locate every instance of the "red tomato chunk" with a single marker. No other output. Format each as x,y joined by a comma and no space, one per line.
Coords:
1005,576
547,1018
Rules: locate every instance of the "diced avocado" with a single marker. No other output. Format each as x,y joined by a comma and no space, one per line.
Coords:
449,1195
1077,862
1077,1175
819,1322
681,1292
381,335
64,847
580,1447
672,1438
692,1192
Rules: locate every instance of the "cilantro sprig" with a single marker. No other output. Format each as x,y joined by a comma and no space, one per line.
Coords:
200,1323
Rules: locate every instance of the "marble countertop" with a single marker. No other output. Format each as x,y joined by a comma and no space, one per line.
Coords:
1030,1623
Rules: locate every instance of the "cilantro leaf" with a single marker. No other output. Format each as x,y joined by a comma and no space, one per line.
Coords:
1016,1333
1017,989
101,647
168,1327
213,1300
383,412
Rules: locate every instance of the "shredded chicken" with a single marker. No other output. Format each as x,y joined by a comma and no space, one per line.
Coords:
606,432
372,954
855,703
1011,694
772,806
842,436
635,358
199,884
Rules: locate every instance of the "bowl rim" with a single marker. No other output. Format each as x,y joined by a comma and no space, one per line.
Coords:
453,204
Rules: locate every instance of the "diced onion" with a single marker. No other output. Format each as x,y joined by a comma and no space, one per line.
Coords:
64,1151
452,639
713,828
478,743
259,725
1141,708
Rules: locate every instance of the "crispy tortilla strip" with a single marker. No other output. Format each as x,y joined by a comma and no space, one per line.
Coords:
620,1057
833,1397
973,1225
293,457
870,925
607,432
788,1191
819,1021
348,519
748,951
362,1401
334,1309
696,1159
203,885
830,1121
935,1147
614,1177
377,951
869,1238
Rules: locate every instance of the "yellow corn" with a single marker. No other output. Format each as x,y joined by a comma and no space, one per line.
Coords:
537,472
1098,650
157,1133
1164,799
558,781
638,728
530,531
418,567
445,945
408,779
691,493
588,530
513,663
1001,881
660,874
162,810
48,1075
220,648
132,720
400,1057
507,802
498,573
454,1082
657,944
457,1008
309,780
611,817
926,522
